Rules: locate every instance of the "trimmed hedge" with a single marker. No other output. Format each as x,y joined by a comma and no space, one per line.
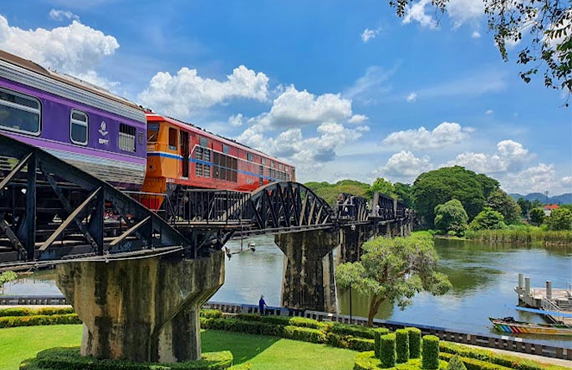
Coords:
249,327
306,323
70,358
360,344
13,321
402,346
473,363
368,361
304,334
25,311
211,314
456,364
414,342
353,330
378,332
511,362
387,350
430,352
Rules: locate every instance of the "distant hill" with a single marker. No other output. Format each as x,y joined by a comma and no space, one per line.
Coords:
556,199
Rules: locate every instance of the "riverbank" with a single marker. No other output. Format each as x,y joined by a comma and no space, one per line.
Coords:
523,235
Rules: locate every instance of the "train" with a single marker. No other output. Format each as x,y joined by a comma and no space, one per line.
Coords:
122,143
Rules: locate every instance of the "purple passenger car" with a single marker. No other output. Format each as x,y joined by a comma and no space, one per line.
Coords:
80,123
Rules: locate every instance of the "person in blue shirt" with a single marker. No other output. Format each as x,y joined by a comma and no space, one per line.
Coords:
262,306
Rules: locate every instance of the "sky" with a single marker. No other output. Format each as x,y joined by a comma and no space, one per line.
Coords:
340,89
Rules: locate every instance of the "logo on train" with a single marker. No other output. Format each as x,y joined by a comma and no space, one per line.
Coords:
103,131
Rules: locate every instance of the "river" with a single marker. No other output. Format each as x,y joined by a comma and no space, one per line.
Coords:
483,278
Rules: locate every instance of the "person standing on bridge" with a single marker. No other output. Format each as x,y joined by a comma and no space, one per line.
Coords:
262,306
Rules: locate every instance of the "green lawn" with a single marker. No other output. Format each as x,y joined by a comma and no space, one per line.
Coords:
17,344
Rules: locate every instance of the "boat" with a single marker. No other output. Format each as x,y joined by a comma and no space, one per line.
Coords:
511,326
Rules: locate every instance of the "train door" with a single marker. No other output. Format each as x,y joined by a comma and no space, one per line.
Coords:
185,152
261,173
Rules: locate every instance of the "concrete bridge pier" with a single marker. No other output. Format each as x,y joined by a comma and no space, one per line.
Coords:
308,281
144,309
351,241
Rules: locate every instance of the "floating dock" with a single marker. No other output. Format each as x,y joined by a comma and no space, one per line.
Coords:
547,298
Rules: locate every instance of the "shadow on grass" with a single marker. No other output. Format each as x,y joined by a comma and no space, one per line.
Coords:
243,346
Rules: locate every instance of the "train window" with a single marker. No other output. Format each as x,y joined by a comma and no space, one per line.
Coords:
126,137
249,157
264,161
19,112
203,141
152,132
78,127
199,166
225,148
280,166
207,167
172,138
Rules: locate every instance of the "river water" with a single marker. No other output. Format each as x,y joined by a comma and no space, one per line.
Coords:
483,278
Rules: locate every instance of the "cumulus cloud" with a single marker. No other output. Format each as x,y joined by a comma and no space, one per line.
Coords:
476,35
566,181
460,11
186,92
538,178
368,34
358,118
416,12
404,166
489,111
62,15
235,120
75,49
510,156
412,97
447,133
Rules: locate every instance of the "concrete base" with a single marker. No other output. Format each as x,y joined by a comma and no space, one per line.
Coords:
307,271
142,310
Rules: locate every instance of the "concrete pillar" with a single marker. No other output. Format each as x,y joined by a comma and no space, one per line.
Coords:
142,310
527,286
307,274
520,278
351,241
548,289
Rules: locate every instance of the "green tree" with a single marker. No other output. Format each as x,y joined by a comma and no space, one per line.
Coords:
394,270
501,202
525,206
451,216
546,25
537,216
329,192
404,193
6,277
560,219
439,186
536,204
382,186
488,219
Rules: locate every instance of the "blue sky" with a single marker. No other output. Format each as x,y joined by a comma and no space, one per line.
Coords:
341,89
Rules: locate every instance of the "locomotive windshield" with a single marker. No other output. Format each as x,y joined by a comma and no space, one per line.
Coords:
152,132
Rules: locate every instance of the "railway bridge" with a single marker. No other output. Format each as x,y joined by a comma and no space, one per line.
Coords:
137,278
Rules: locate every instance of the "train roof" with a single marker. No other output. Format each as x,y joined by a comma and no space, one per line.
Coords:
154,117
37,69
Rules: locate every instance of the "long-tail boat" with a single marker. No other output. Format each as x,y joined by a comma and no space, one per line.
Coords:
511,326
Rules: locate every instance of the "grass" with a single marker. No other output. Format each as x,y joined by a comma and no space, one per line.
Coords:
263,352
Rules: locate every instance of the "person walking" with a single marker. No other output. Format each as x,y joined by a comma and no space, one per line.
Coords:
262,306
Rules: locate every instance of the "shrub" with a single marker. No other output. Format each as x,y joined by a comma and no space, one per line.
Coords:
366,361
336,340
246,366
13,321
276,320
402,346
387,350
249,327
456,364
306,323
70,358
414,342
430,352
360,344
304,334
378,332
24,311
353,330
474,364
211,314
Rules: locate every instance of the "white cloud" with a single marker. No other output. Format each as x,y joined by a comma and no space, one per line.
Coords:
509,157
447,133
370,84
75,49
412,97
358,118
475,35
404,166
235,120
187,92
534,179
489,111
369,34
62,15
566,181
416,12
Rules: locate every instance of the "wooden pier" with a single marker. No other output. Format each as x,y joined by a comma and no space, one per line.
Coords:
547,298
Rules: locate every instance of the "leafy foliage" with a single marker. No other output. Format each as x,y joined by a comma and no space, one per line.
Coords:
546,25
456,364
404,193
387,350
394,270
414,342
430,352
401,345
560,219
537,216
382,186
6,277
525,206
451,216
440,186
488,220
329,192
501,202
